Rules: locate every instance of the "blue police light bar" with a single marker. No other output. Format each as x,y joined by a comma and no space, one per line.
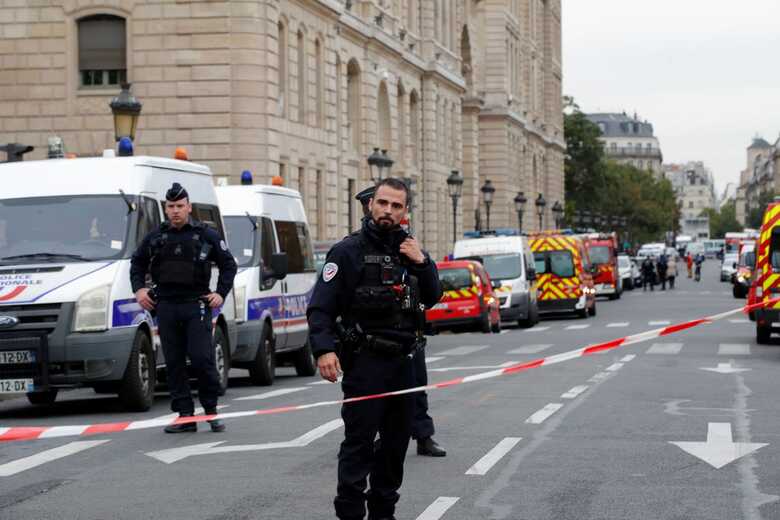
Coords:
246,177
125,147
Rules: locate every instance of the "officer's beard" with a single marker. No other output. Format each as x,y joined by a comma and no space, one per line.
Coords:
384,223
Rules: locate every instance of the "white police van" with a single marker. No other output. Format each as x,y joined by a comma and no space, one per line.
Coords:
268,233
68,316
508,260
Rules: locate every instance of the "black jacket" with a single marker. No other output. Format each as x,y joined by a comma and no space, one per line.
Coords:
333,298
219,254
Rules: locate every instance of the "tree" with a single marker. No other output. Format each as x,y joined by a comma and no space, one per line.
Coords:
723,221
584,164
756,213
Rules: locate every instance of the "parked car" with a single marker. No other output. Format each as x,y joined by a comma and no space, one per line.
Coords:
727,267
629,271
468,299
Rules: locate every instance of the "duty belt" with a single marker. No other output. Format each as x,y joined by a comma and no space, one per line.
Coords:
389,348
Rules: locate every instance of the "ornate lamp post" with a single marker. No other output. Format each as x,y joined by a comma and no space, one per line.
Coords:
520,201
540,204
380,164
126,109
487,190
455,188
557,210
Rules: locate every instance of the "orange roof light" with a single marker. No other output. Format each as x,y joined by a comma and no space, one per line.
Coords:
181,154
277,181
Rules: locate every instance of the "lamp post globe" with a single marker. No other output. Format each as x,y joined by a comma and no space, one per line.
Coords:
125,109
520,201
540,204
488,190
557,210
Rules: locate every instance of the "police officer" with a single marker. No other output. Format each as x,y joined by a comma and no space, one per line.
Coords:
422,423
370,301
178,255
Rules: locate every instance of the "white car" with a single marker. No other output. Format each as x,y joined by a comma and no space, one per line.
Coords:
629,271
727,268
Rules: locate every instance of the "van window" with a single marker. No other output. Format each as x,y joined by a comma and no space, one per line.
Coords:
294,240
148,218
560,263
599,255
267,242
241,239
454,279
208,215
503,267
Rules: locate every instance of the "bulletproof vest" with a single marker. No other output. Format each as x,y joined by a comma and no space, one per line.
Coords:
387,297
181,258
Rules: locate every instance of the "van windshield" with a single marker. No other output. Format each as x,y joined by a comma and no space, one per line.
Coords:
60,229
503,267
559,263
241,239
454,279
599,255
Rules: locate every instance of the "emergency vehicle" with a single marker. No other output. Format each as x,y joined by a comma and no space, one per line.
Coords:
602,249
766,284
564,274
468,298
268,233
68,315
508,261
742,278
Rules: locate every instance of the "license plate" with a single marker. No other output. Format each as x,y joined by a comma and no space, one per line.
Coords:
16,357
16,386
440,306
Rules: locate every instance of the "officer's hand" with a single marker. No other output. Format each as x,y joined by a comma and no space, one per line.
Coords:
412,250
329,366
214,299
143,299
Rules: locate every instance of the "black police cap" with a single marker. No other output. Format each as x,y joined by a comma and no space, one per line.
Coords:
177,192
367,194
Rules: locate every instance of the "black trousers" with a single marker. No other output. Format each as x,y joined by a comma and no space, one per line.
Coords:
359,463
185,330
422,424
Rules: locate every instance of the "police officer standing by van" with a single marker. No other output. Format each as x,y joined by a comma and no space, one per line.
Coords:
179,255
366,317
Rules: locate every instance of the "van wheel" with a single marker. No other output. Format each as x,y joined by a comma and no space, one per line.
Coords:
763,334
592,310
527,323
484,324
222,358
263,368
44,398
582,313
752,316
496,327
136,390
305,365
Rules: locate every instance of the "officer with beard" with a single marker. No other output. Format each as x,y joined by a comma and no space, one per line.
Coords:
366,317
178,255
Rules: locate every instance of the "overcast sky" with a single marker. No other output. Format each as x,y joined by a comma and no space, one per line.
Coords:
705,73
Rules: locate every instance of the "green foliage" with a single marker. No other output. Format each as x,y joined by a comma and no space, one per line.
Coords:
756,213
723,221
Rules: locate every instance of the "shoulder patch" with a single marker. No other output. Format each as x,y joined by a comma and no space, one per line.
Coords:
223,245
329,271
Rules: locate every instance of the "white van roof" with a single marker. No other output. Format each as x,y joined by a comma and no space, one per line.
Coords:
101,176
488,246
259,199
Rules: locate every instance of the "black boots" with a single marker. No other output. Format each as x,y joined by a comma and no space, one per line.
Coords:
183,427
429,448
217,425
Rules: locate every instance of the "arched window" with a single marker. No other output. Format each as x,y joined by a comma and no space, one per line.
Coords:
414,127
283,67
102,51
354,104
401,123
320,81
339,108
383,115
301,76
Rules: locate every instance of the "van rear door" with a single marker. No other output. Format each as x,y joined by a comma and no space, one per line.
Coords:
295,241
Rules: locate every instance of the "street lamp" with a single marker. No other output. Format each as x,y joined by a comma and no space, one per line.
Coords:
540,204
520,201
455,187
557,210
126,109
378,163
487,190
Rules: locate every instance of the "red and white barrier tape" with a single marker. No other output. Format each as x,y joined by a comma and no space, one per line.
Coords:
19,433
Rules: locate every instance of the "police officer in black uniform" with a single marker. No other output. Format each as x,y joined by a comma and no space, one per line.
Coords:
422,423
179,256
366,316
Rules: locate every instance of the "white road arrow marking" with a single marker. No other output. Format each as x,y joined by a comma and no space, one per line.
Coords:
725,368
17,466
211,448
720,449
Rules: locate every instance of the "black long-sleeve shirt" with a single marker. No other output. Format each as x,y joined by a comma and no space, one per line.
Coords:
140,263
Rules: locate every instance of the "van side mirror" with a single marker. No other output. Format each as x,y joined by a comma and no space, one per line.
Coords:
735,265
277,270
531,274
495,284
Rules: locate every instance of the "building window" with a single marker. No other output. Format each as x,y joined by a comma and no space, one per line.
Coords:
283,67
690,204
401,96
338,105
320,82
383,112
353,104
301,77
102,51
414,126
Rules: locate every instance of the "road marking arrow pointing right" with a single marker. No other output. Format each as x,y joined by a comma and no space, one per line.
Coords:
720,449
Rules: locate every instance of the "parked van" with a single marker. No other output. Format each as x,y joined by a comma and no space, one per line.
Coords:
508,260
766,277
565,274
68,315
268,233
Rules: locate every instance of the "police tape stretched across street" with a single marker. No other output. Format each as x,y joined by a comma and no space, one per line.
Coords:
366,317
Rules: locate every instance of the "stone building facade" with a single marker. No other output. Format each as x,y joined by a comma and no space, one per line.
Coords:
694,187
629,140
760,180
306,89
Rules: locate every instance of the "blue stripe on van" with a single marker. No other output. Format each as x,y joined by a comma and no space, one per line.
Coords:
294,306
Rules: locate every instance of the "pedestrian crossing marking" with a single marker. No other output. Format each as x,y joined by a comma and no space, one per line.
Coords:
529,349
733,349
463,350
665,348
577,327
617,325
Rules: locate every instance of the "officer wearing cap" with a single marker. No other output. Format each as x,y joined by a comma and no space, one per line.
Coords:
366,317
422,424
179,255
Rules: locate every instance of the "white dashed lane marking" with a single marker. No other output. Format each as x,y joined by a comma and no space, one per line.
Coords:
272,393
484,464
659,323
437,509
614,367
464,350
599,377
733,349
433,359
739,320
17,466
542,415
529,349
537,329
574,392
577,327
665,348
626,359
617,325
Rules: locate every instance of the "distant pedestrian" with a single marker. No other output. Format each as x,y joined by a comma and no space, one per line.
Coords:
698,261
648,273
661,268
689,262
671,271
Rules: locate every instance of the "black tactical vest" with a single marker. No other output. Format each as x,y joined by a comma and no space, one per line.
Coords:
182,259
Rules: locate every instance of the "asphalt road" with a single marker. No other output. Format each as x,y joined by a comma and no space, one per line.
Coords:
591,438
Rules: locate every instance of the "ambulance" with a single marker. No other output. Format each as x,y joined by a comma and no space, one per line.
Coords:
766,277
508,261
68,316
268,233
565,274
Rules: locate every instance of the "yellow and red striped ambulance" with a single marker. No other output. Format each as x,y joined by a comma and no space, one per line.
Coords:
564,274
766,278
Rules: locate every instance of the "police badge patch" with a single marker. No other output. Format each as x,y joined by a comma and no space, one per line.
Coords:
329,271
